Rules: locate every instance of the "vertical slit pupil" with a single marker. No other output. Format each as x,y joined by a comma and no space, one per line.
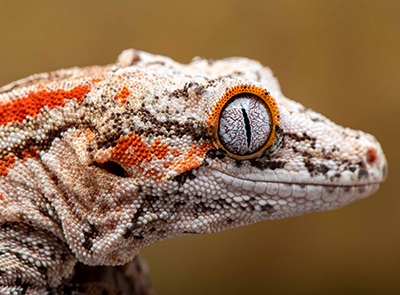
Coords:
247,126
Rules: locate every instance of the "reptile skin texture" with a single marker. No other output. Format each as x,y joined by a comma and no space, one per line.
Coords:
98,162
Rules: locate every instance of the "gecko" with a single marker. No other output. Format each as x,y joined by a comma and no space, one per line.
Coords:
97,162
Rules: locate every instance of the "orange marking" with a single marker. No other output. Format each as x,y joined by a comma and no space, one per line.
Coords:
191,159
159,150
30,153
130,150
122,96
204,148
6,163
175,153
1,196
95,80
17,110
189,162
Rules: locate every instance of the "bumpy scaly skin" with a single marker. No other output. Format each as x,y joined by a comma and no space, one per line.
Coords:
98,162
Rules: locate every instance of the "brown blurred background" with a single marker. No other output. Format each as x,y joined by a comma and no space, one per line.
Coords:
340,58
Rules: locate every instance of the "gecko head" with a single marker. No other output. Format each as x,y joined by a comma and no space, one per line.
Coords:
214,145
269,158
274,158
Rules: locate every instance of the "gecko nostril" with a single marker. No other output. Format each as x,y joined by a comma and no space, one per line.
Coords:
371,155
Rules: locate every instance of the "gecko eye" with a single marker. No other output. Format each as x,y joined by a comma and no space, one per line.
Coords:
244,124
245,121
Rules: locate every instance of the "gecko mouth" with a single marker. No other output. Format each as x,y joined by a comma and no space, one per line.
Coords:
280,176
349,187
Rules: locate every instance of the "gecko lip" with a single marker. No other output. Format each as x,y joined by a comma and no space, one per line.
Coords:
236,180
371,171
375,175
348,187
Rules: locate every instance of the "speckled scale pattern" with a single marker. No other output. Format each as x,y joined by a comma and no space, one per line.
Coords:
97,162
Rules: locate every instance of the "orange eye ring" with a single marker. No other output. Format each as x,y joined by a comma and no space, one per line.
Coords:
272,108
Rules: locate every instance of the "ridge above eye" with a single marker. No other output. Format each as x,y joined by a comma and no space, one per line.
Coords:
244,121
